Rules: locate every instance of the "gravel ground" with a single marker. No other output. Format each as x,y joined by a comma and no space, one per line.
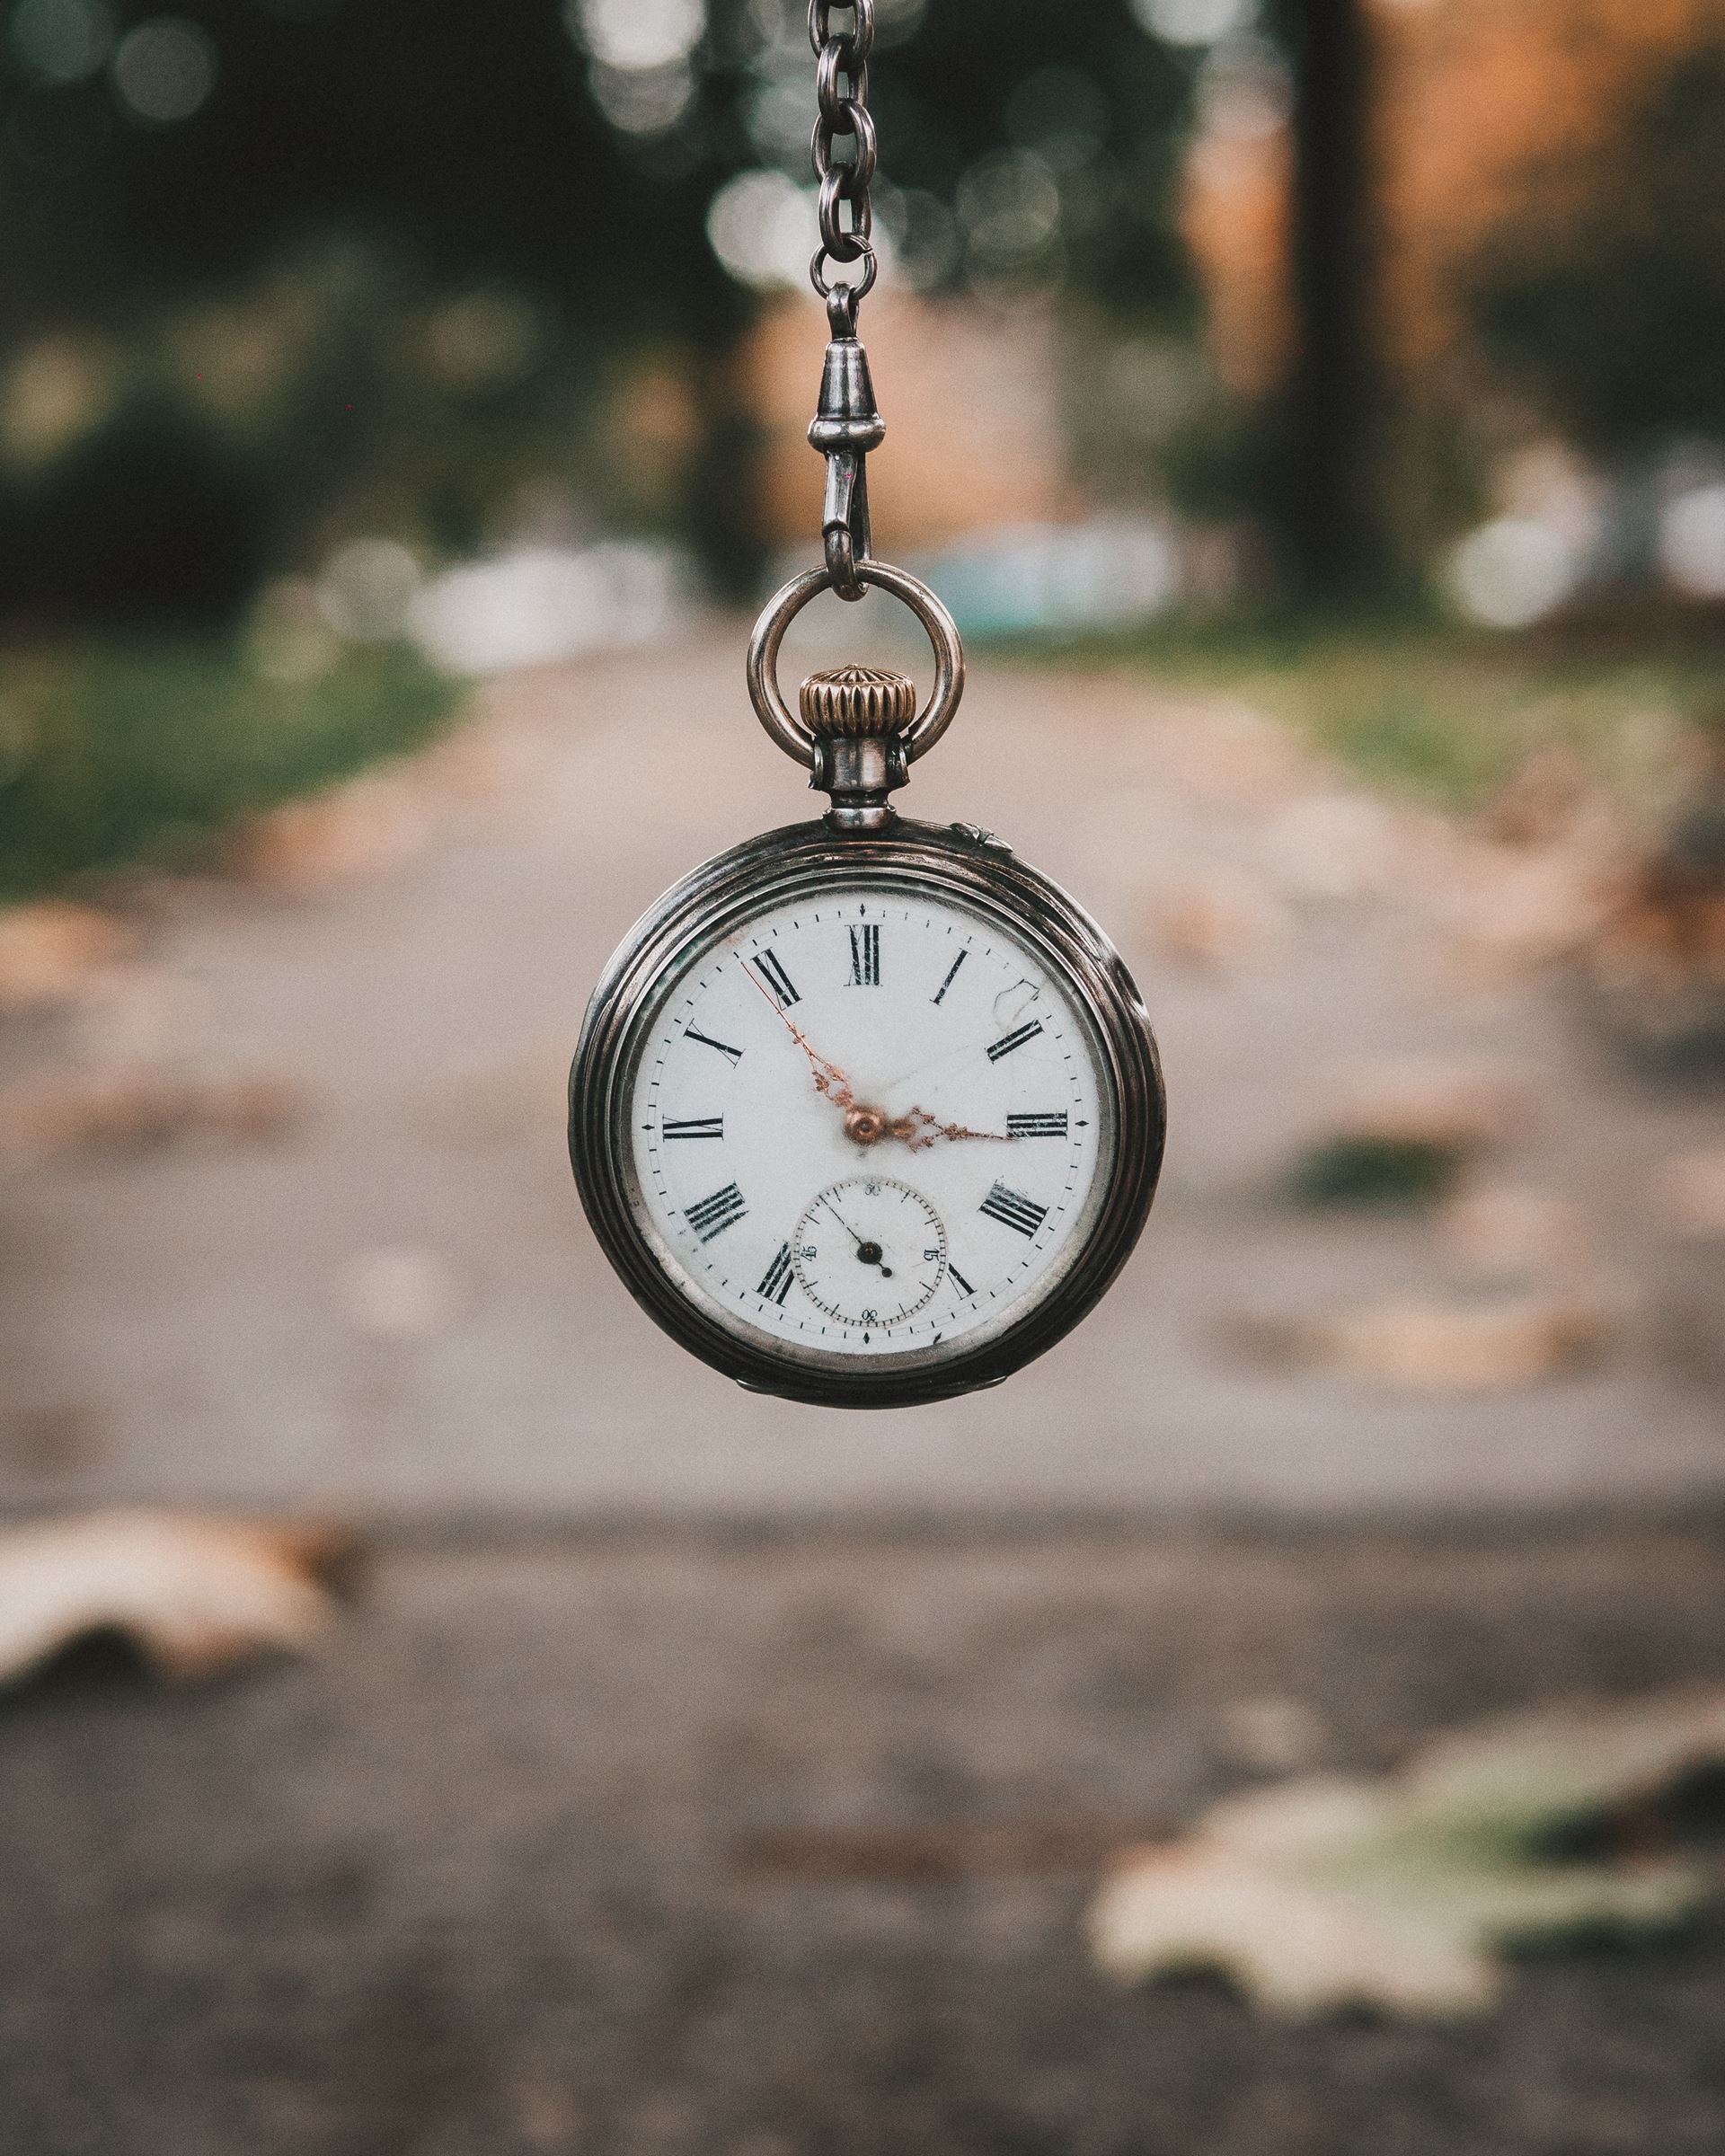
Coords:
689,1841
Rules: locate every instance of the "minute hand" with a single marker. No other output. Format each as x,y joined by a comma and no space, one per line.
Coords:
829,1078
917,1129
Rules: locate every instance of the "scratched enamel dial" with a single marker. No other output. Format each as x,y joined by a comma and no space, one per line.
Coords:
868,1122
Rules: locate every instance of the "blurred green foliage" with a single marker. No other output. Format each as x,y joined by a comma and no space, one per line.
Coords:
112,752
1441,713
152,474
277,279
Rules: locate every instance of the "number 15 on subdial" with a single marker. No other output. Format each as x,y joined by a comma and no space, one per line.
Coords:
870,1251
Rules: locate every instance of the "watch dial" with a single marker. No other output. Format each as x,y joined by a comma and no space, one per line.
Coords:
868,1123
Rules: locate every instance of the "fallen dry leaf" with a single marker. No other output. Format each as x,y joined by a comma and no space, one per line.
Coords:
1221,921
1507,1231
1548,796
1670,931
50,951
358,829
1510,913
1459,1107
1330,1892
1430,1345
1693,1187
194,1595
73,1111
1656,966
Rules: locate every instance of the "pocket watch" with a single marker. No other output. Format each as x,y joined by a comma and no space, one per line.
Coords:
865,1112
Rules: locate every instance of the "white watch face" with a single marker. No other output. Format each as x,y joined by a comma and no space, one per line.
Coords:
868,1123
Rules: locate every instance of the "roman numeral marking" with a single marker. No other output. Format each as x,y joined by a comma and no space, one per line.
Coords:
951,975
1037,1126
1012,1209
964,1284
1014,1039
712,1215
775,1285
865,956
694,1126
707,1042
777,978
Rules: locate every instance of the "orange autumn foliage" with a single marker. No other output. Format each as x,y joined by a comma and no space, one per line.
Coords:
1471,95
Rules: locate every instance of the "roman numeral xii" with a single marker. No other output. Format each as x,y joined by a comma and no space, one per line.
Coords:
865,956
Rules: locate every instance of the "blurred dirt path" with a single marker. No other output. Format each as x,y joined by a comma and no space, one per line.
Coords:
398,1308
696,1846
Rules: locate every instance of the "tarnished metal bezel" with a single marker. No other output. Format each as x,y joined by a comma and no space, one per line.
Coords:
804,860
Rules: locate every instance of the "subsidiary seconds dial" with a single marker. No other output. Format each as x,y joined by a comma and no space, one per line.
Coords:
885,1262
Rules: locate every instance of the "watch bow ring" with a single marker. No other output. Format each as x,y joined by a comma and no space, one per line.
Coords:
798,742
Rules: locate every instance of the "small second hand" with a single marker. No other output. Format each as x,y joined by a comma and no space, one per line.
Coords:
886,1271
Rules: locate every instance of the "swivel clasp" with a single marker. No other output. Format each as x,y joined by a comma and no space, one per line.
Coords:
845,428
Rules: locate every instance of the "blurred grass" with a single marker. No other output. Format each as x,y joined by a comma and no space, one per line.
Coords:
117,752
1449,714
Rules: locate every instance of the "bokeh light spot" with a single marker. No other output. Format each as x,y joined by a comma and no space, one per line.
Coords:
1512,572
643,101
61,40
164,69
1691,542
633,36
367,587
1195,21
761,225
1009,205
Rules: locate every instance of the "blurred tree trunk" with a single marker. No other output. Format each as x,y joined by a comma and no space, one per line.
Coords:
1331,510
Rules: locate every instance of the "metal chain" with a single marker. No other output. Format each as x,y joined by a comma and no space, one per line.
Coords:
843,55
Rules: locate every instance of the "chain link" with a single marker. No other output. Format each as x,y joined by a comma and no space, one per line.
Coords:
841,92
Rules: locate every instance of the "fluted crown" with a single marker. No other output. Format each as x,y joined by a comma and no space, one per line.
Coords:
857,703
